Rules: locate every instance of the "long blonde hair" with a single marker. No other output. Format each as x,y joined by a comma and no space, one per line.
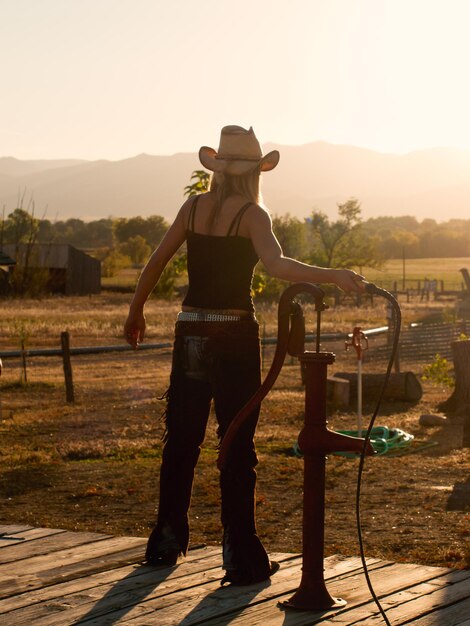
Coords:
226,185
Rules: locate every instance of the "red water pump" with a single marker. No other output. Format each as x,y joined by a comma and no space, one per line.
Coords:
316,440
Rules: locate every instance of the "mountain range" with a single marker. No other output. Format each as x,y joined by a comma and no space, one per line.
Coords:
432,183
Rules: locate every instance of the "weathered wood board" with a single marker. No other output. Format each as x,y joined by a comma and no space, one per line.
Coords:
53,577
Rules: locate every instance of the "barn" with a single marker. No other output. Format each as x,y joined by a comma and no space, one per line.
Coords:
6,262
71,271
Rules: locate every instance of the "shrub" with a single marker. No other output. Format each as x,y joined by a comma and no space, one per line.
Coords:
439,372
113,263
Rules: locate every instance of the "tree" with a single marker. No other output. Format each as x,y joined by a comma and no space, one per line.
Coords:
156,227
201,184
151,229
125,228
21,226
398,242
98,233
343,243
21,229
137,249
291,234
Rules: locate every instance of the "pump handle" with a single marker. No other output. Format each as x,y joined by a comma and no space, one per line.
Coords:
287,313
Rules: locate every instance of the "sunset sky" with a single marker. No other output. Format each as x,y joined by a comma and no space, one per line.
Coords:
114,78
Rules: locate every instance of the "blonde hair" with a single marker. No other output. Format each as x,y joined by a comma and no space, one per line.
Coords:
226,185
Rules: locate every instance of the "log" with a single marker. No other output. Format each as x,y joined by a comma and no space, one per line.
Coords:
403,386
459,401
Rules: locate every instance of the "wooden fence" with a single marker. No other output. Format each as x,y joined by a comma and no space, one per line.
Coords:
418,343
421,342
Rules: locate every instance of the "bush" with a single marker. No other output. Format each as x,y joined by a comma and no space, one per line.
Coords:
439,372
31,282
266,288
167,282
113,263
137,249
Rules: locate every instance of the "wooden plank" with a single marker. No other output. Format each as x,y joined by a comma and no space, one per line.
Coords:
197,560
173,607
99,581
208,600
368,612
454,615
451,589
128,593
28,535
47,545
85,543
12,529
391,578
67,564
122,596
129,585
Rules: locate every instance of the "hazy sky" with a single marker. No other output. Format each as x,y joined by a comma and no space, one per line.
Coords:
114,78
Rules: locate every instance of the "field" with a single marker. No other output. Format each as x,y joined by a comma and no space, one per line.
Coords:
94,464
416,270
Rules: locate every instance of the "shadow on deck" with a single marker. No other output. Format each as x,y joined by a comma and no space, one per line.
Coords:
52,577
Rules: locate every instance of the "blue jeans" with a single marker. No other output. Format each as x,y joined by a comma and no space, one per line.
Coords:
222,366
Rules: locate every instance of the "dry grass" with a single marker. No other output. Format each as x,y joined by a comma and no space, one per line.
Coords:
446,269
98,320
94,465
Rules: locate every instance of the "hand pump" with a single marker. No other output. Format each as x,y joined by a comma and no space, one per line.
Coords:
315,440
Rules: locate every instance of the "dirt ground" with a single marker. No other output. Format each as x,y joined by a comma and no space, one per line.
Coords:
93,465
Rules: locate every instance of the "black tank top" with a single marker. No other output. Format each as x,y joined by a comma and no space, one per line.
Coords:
220,267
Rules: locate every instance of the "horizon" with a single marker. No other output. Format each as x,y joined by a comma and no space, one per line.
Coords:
267,143
318,175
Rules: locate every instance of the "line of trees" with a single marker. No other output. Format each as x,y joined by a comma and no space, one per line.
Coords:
347,240
393,236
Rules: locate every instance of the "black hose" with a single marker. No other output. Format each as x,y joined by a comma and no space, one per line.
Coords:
374,290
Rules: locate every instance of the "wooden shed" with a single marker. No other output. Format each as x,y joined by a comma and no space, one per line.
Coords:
71,271
6,263
5,260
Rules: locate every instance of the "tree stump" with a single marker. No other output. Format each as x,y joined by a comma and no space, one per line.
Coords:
401,386
459,401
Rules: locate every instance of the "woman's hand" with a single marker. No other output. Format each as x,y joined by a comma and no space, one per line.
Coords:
348,280
134,328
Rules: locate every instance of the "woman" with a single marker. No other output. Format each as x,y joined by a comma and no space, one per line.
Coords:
216,353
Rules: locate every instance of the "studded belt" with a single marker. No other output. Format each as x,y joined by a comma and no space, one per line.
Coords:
199,316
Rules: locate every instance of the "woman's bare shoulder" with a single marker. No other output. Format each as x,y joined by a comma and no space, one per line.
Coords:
259,215
200,198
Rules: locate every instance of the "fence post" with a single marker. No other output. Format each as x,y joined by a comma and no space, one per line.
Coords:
337,296
23,361
65,343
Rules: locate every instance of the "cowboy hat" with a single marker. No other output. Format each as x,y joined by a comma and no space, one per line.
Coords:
239,152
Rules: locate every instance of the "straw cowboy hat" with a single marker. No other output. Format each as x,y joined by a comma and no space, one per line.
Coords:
239,152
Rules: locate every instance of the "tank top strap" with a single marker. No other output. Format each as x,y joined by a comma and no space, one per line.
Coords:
237,219
192,214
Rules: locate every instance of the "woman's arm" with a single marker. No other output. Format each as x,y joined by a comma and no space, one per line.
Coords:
279,266
134,327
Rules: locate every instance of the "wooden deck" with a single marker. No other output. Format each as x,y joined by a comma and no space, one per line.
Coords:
53,577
